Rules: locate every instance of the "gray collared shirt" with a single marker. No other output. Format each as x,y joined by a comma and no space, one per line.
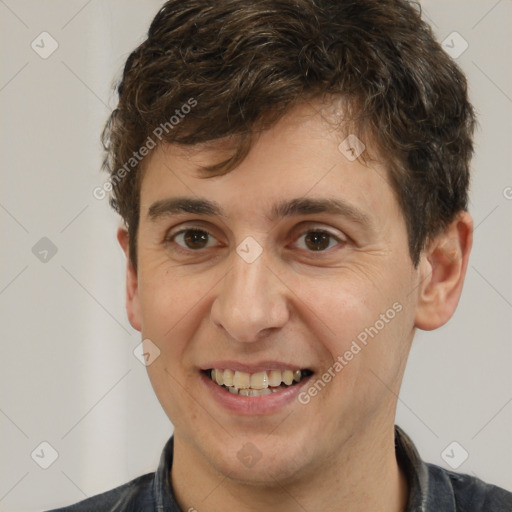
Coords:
431,488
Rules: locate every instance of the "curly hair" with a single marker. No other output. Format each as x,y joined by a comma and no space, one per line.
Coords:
211,69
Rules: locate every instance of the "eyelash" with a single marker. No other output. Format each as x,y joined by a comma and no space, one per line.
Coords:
171,239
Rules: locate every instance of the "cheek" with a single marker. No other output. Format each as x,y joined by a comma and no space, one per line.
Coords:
341,307
169,304
172,312
367,322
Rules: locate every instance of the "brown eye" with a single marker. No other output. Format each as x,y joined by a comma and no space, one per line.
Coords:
193,239
317,241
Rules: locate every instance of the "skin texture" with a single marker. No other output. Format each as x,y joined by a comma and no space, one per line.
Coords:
292,304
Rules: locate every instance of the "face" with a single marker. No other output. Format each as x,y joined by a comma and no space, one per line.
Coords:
293,265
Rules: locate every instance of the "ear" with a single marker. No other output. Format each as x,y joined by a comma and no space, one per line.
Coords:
132,285
443,267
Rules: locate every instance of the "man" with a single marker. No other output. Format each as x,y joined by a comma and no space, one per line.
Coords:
293,178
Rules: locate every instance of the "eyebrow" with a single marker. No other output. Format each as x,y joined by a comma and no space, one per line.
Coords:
288,208
177,205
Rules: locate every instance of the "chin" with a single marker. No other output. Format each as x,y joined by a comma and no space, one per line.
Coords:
261,459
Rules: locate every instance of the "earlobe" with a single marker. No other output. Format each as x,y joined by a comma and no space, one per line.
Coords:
132,285
442,270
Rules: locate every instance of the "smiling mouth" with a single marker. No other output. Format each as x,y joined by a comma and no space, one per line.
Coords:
256,384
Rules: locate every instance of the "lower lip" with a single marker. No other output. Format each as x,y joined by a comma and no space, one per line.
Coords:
253,405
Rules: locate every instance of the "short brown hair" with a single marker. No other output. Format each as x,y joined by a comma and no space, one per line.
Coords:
242,64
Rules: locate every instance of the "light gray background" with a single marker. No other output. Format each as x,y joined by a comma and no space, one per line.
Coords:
68,373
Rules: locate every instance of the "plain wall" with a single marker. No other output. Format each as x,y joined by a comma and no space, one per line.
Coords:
68,373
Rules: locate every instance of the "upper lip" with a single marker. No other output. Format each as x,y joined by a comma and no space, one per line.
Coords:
261,366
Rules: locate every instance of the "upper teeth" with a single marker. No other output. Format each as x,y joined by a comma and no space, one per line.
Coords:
259,380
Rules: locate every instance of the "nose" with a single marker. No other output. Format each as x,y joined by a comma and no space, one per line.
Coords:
251,301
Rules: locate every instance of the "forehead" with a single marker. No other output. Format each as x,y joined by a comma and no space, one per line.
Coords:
306,154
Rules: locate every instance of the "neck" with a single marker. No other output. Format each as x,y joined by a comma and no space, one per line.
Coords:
362,475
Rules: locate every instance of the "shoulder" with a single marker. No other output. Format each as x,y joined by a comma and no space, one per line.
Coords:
470,494
133,496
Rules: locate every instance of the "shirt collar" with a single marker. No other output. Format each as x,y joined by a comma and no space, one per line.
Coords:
164,495
428,491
